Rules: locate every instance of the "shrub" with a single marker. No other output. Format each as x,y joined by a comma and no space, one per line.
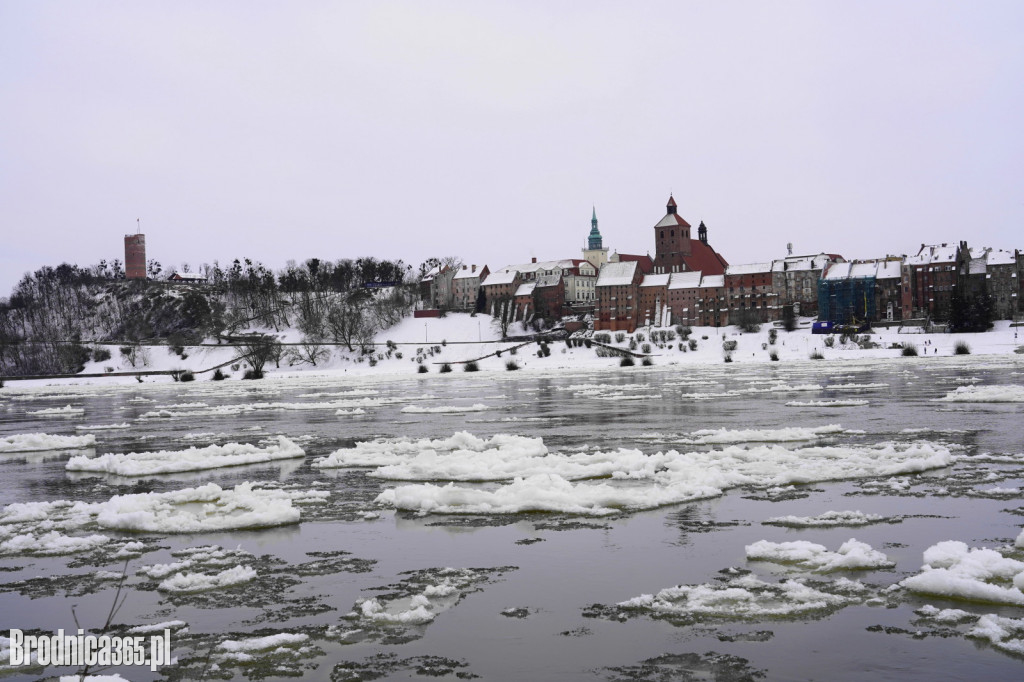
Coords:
646,348
511,365
830,341
219,375
398,356
626,362
640,337
234,367
373,361
730,345
693,343
445,368
603,337
188,376
961,348
100,354
632,344
512,350
773,335
816,355
646,362
843,338
252,374
444,342
682,347
423,369
620,337
704,338
471,367
774,355
909,350
669,335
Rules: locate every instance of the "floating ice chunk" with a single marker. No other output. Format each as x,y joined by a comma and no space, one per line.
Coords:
93,678
852,555
416,614
158,571
543,492
944,615
746,597
192,459
103,427
827,403
198,510
826,520
390,452
65,411
954,570
1006,634
263,643
985,394
356,410
35,442
793,433
159,627
201,582
445,409
50,544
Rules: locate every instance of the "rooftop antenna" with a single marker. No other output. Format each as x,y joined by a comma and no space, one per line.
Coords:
789,247
138,226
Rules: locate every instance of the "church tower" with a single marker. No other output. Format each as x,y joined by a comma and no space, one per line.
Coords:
595,253
671,241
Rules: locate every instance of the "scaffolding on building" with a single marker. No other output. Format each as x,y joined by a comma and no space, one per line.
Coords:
847,301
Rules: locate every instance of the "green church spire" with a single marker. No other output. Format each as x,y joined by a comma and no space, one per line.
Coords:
594,240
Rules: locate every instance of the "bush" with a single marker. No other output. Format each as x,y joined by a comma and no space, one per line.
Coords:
398,356
423,369
632,344
640,337
219,375
961,348
773,335
511,365
682,347
603,337
830,341
512,350
187,376
704,338
626,362
620,337
646,362
730,345
774,355
693,343
587,343
252,374
471,367
909,350
646,348
373,361
445,368
816,355
100,354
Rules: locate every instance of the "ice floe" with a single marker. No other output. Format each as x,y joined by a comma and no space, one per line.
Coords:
201,582
35,442
52,543
827,403
956,571
103,427
789,434
1005,634
827,520
192,459
445,409
66,411
985,394
851,555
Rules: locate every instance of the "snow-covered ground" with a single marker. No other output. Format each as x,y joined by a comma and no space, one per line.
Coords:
460,337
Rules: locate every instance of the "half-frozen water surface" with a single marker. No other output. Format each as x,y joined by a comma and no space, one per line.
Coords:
860,520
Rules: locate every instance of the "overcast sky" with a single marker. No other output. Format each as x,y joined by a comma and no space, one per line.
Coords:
488,130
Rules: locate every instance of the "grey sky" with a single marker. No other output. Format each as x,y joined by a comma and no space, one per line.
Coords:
487,130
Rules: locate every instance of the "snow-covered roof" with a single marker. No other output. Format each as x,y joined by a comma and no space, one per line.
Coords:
616,274
801,263
501,277
549,280
934,253
526,289
659,280
977,266
879,269
431,274
684,280
748,269
1000,257
672,220
712,281
466,273
563,264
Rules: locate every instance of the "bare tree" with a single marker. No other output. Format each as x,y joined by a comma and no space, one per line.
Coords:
311,351
257,352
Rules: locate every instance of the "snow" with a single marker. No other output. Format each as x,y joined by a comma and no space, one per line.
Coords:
616,274
788,434
852,555
159,627
192,459
827,520
201,582
826,403
748,269
1005,634
956,571
104,427
985,394
35,442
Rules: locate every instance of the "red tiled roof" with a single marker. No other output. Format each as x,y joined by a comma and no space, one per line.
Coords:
705,259
645,263
671,200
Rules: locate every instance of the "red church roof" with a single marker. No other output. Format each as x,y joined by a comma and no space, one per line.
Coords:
705,259
645,263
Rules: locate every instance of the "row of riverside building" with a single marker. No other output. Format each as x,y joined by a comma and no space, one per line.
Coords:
688,282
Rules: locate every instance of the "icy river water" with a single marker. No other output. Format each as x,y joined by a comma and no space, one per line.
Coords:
590,556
